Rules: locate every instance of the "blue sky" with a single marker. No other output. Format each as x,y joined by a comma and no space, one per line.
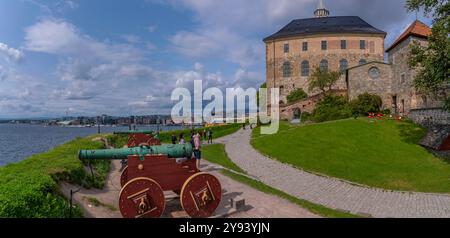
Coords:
89,57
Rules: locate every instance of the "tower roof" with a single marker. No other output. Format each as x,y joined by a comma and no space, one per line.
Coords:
325,25
321,10
417,28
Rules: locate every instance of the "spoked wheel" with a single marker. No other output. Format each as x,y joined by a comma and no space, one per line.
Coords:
142,198
201,195
124,177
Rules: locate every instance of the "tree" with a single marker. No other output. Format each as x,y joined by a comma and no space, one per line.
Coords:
432,62
296,95
366,103
323,79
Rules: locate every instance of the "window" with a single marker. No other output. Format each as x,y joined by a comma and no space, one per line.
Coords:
305,68
286,48
287,69
403,78
362,61
324,65
374,72
305,46
343,64
362,44
343,44
324,45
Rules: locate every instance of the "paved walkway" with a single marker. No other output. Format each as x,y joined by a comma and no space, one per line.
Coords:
330,192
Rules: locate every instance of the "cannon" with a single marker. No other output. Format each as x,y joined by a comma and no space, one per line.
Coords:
139,138
151,171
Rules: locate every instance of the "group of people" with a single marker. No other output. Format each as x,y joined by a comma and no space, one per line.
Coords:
196,141
206,135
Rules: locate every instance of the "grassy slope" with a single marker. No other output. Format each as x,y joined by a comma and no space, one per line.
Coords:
29,188
381,154
216,154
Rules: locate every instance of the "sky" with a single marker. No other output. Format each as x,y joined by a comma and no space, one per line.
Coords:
121,58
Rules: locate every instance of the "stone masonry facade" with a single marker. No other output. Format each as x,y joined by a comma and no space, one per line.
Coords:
276,58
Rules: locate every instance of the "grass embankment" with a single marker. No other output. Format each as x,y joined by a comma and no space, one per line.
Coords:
377,153
28,189
216,154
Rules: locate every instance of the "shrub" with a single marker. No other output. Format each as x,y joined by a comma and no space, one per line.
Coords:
365,104
332,108
386,112
296,95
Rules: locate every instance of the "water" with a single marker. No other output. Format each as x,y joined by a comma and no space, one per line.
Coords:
20,141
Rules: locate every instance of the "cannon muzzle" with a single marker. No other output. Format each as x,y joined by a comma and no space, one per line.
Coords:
133,132
171,151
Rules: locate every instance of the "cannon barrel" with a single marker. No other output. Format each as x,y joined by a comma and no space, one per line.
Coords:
172,151
133,132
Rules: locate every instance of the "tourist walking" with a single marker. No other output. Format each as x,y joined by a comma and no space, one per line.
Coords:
197,148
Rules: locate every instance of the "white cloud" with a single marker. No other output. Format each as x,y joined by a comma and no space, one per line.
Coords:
11,53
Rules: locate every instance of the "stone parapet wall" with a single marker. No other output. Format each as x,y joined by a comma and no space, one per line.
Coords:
430,116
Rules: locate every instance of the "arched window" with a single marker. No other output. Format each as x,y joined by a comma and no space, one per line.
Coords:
324,65
343,64
305,68
362,61
287,70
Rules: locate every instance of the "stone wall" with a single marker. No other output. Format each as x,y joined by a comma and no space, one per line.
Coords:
437,121
287,111
429,117
360,82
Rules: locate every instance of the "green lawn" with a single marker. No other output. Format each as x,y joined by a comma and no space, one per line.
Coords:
381,154
216,154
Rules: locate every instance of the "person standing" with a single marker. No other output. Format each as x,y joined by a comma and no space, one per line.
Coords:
210,136
174,139
197,149
181,139
205,135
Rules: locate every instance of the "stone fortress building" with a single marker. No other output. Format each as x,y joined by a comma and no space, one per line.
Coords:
350,45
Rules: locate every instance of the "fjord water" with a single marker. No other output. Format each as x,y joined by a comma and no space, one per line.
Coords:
19,141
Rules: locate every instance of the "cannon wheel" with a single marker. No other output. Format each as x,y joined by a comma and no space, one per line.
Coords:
124,177
201,195
142,198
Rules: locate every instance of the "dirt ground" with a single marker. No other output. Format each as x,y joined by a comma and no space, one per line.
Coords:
104,203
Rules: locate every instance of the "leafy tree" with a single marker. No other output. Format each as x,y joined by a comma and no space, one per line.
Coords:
323,79
296,95
433,61
366,103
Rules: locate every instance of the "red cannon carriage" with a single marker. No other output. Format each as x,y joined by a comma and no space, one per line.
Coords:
155,169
